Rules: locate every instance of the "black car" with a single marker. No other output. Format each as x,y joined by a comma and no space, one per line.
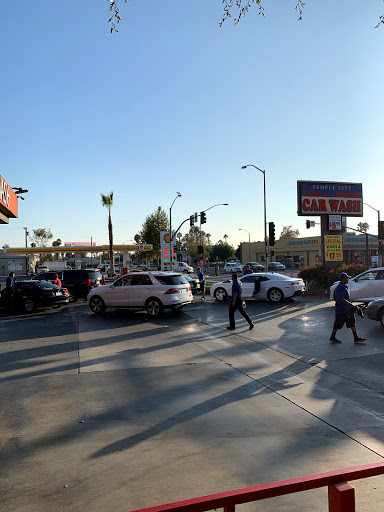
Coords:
195,284
78,281
30,295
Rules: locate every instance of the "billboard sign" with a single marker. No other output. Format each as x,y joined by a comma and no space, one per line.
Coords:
8,199
333,247
79,244
334,222
329,198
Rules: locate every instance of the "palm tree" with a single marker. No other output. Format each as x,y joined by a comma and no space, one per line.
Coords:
225,238
107,201
208,235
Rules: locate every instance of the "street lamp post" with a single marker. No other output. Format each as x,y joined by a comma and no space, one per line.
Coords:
203,211
378,224
249,243
170,231
265,214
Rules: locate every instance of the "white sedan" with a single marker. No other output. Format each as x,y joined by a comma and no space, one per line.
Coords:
233,267
365,287
261,286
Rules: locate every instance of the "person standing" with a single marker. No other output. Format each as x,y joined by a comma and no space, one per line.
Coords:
344,310
237,303
9,288
57,281
248,270
201,279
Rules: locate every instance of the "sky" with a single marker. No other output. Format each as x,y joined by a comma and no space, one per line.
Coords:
174,103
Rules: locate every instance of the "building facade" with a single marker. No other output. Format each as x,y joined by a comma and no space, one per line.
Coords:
302,252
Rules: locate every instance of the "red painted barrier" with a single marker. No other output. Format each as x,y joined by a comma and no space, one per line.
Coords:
341,497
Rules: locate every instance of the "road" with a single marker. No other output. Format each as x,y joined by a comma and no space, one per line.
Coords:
121,412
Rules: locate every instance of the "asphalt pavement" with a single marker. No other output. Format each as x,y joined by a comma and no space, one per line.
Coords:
121,411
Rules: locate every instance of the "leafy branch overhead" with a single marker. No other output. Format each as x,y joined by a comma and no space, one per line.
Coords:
242,7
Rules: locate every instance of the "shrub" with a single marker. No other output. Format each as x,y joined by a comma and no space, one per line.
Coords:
321,275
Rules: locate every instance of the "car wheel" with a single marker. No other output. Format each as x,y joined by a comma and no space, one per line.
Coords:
220,294
29,306
381,317
154,307
185,271
275,295
97,305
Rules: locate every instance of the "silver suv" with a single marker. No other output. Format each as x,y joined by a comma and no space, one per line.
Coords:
154,291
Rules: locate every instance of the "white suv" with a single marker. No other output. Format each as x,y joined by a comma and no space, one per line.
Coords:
154,291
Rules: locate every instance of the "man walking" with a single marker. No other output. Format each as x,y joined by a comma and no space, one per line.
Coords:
201,278
344,309
9,289
237,303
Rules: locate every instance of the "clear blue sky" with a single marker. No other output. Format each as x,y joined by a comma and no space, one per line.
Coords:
174,103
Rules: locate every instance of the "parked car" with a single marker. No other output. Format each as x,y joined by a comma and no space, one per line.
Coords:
232,267
194,283
365,287
255,266
275,265
78,281
154,291
30,295
375,311
261,286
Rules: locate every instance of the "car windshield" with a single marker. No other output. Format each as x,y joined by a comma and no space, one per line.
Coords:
46,285
171,280
94,274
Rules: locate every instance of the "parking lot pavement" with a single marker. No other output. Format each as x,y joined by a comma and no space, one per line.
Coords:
121,412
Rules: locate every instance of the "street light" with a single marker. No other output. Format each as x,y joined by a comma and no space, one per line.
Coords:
249,242
265,214
378,224
170,231
203,211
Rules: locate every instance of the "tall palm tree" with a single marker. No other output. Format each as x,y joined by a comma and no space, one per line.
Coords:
225,238
107,201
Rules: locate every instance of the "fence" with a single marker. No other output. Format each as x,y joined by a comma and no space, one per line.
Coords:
341,495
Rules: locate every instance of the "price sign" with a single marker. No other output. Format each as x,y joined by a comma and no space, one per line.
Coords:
333,247
334,222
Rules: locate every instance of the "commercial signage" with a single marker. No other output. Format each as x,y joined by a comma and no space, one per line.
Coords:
333,247
329,198
79,244
8,200
334,222
164,247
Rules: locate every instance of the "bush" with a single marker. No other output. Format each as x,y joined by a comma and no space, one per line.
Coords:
324,276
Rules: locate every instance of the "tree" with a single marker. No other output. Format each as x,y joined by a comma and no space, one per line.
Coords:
192,240
56,243
107,201
363,226
225,238
41,237
222,251
289,232
150,232
242,6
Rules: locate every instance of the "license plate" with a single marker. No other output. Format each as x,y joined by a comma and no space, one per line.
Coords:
59,293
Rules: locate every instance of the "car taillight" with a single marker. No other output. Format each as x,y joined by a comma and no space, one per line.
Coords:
297,282
189,289
103,280
46,294
171,290
88,282
65,292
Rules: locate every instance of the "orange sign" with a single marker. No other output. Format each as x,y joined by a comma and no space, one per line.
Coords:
8,199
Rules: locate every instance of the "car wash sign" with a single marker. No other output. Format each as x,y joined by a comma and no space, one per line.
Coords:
8,202
329,198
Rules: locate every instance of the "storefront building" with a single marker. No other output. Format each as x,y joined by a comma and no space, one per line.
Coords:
302,252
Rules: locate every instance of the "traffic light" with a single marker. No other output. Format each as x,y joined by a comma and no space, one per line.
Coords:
381,230
192,220
203,218
271,233
308,223
195,217
381,246
200,249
